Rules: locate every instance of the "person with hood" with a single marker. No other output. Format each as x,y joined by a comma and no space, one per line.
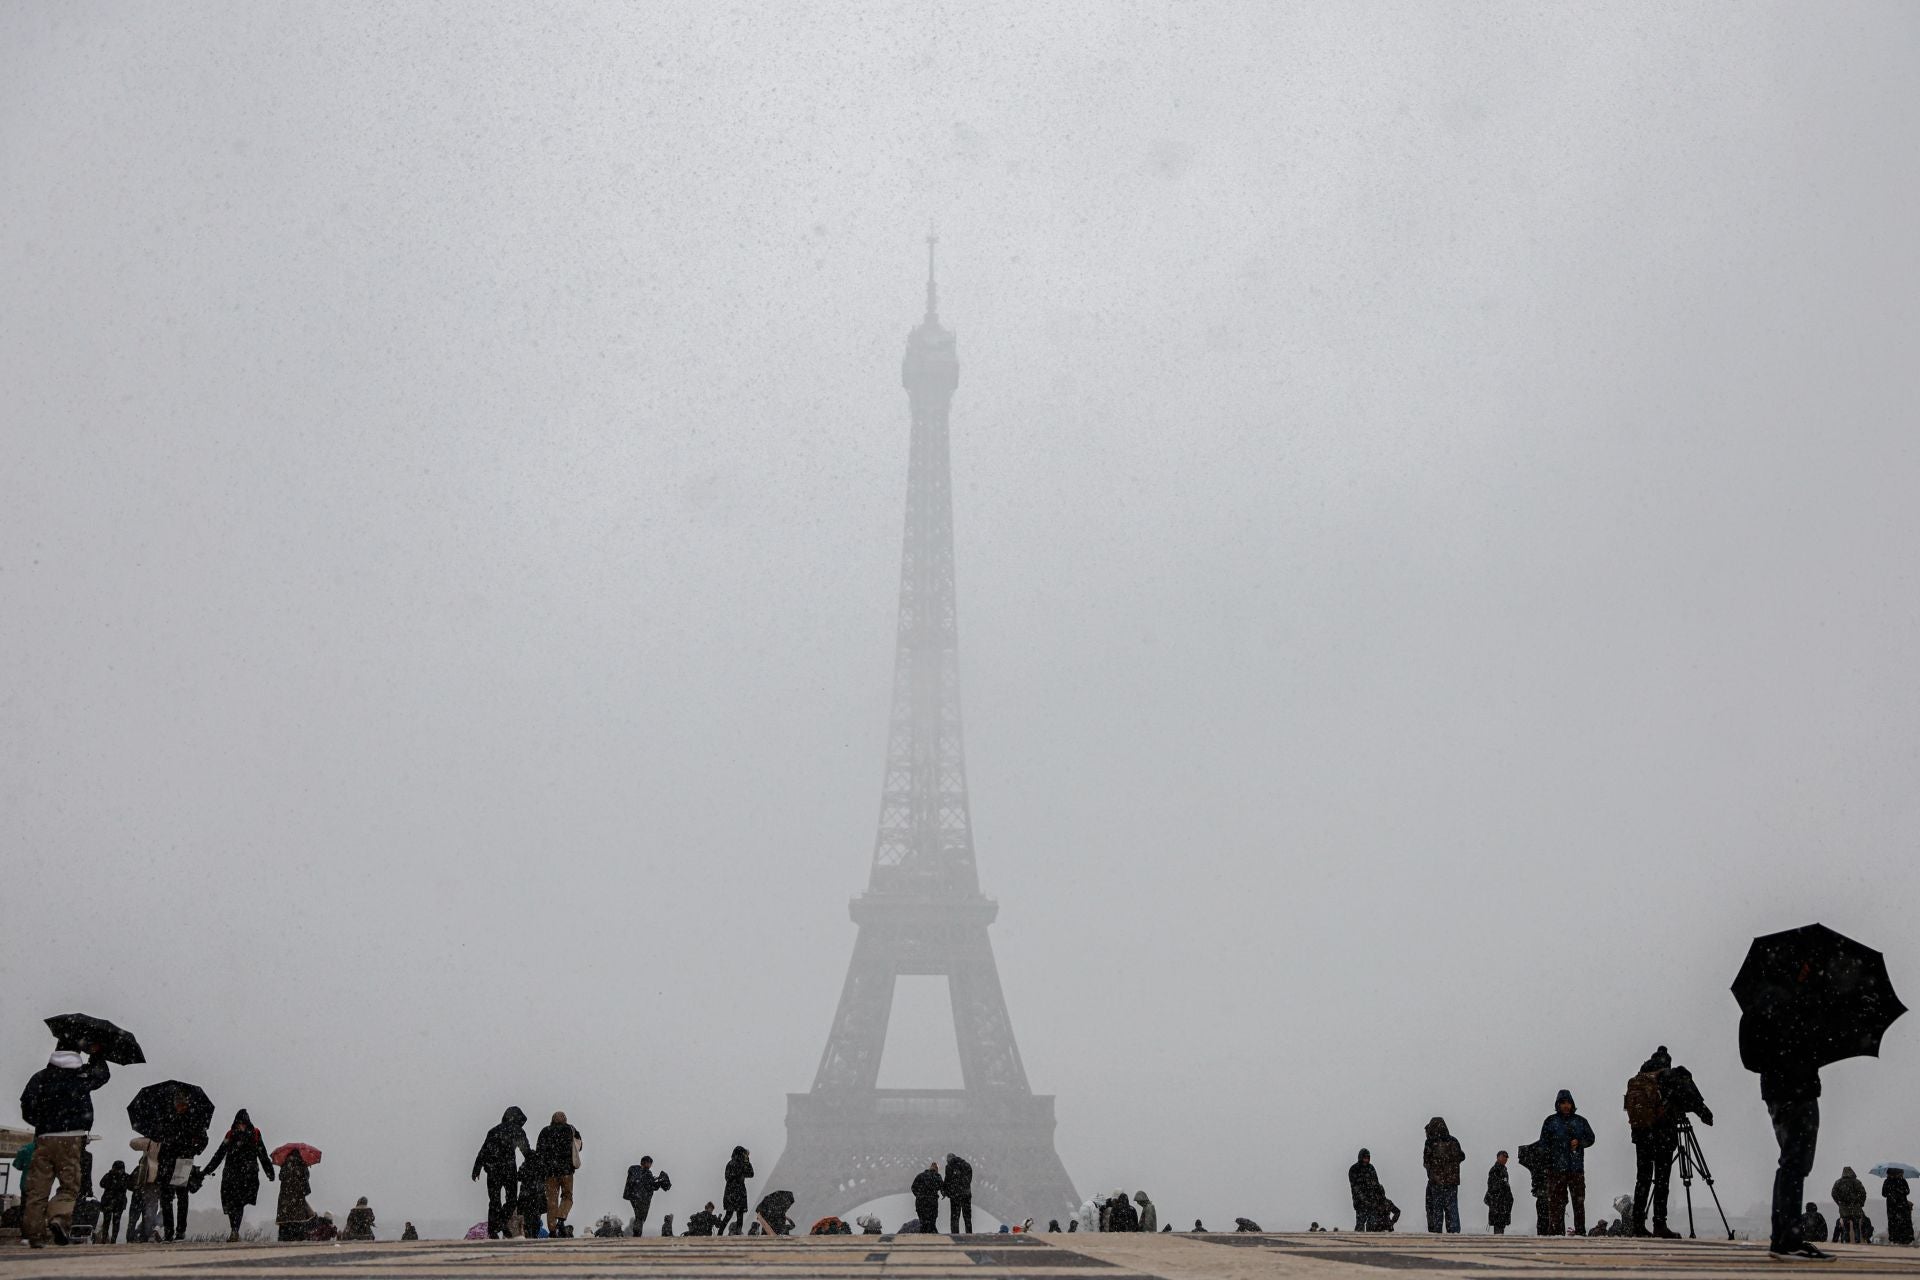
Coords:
244,1152
642,1182
1499,1197
1813,1224
703,1223
530,1197
925,1190
359,1221
113,1202
496,1160
1899,1207
409,1232
1149,1216
1657,1101
869,1225
1120,1214
957,1185
1564,1138
293,1215
1442,1157
1850,1204
559,1146
1369,1197
733,1198
58,1103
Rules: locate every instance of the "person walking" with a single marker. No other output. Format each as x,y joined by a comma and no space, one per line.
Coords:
1499,1197
925,1190
733,1198
1369,1197
530,1196
143,1218
58,1103
176,1182
1442,1157
1899,1200
559,1146
642,1182
244,1152
293,1215
957,1185
1565,1137
496,1160
1850,1208
359,1222
1149,1216
113,1202
1657,1102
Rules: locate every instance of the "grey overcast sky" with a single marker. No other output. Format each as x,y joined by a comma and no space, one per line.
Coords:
1435,490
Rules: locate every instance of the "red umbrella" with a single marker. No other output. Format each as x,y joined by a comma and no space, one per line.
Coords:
311,1155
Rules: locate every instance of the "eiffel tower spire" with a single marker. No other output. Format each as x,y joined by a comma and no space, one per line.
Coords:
849,1141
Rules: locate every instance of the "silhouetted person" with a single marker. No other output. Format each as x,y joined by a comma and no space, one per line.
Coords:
1564,1138
926,1189
1120,1214
113,1202
957,1185
530,1194
1899,1200
1656,1102
733,1201
1499,1197
244,1152
1369,1198
1442,1157
703,1223
1813,1224
58,1103
642,1182
1850,1208
496,1160
559,1147
1149,1215
294,1216
359,1222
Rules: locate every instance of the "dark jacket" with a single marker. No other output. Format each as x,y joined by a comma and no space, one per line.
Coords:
359,1223
555,1147
1120,1215
1558,1133
642,1183
60,1099
295,1185
113,1190
958,1182
244,1152
701,1223
1443,1156
1364,1181
496,1152
1850,1195
926,1191
739,1169
1813,1226
1499,1197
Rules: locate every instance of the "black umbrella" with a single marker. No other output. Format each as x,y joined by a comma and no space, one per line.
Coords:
115,1044
173,1112
1810,996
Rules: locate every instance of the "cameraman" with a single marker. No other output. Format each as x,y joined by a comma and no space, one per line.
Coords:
1657,1102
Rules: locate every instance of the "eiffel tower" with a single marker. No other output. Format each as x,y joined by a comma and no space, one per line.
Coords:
849,1141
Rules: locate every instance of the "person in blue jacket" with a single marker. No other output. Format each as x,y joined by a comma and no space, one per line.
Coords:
1564,1138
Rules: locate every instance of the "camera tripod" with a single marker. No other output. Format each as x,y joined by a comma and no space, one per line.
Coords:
1691,1157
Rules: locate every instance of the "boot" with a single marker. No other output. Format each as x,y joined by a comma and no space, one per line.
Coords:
233,1236
1661,1230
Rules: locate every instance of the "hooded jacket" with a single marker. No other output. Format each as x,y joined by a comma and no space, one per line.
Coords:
1120,1214
59,1096
1558,1133
1443,1156
926,1188
958,1182
496,1152
1149,1216
244,1152
1364,1181
1850,1194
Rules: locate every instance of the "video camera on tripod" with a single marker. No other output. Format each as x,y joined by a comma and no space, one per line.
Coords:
1659,1098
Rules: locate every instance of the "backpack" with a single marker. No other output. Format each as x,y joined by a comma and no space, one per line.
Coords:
1645,1107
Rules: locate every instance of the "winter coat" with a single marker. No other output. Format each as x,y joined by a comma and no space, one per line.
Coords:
496,1152
739,1169
556,1149
958,1182
1558,1133
1499,1197
295,1185
1813,1226
701,1223
1364,1181
59,1096
113,1190
1443,1156
926,1188
359,1223
1120,1215
1899,1208
244,1152
1149,1216
641,1184
1850,1195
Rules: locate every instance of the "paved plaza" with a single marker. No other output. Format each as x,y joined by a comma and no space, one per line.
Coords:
1062,1257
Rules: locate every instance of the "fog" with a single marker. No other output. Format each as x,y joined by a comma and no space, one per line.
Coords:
1434,493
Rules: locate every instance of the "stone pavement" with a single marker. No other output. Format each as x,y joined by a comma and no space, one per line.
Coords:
995,1257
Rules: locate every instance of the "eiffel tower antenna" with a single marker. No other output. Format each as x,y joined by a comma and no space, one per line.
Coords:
848,1140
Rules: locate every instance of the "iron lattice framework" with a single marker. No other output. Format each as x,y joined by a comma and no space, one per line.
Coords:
848,1140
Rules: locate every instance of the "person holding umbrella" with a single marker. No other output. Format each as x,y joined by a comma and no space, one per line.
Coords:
58,1103
1899,1205
244,1152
